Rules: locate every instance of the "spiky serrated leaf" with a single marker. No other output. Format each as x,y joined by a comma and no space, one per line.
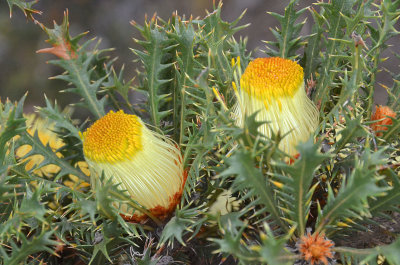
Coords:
102,247
350,133
31,205
61,120
185,220
241,165
334,12
11,124
27,246
25,6
216,34
187,69
77,60
231,243
78,74
311,58
392,197
351,199
369,256
272,250
50,156
116,83
174,229
156,46
393,131
298,186
288,40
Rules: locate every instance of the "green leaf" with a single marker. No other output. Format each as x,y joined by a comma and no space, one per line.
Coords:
174,228
187,69
216,35
185,219
272,250
28,246
369,256
25,6
288,40
147,259
389,201
297,189
102,247
11,124
231,243
31,205
116,83
351,200
241,165
61,119
312,60
59,36
50,156
393,130
77,61
350,133
334,12
156,46
78,74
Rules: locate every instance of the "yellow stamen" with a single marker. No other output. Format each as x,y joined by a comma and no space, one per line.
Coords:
272,78
114,138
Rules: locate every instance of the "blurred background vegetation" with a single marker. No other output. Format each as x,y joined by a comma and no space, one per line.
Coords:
21,69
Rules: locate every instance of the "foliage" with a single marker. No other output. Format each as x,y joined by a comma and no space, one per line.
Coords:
345,178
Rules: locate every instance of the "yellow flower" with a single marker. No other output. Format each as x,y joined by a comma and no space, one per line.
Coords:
146,164
275,88
46,135
45,131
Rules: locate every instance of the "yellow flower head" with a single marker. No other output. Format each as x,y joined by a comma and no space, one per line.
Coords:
275,88
147,165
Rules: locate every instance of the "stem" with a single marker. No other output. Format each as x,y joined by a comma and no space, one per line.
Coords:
371,86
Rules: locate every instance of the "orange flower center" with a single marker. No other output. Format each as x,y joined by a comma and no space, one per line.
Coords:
272,78
113,138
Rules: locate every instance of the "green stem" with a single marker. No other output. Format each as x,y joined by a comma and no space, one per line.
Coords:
371,86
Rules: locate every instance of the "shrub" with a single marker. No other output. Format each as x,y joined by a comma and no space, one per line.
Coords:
268,206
